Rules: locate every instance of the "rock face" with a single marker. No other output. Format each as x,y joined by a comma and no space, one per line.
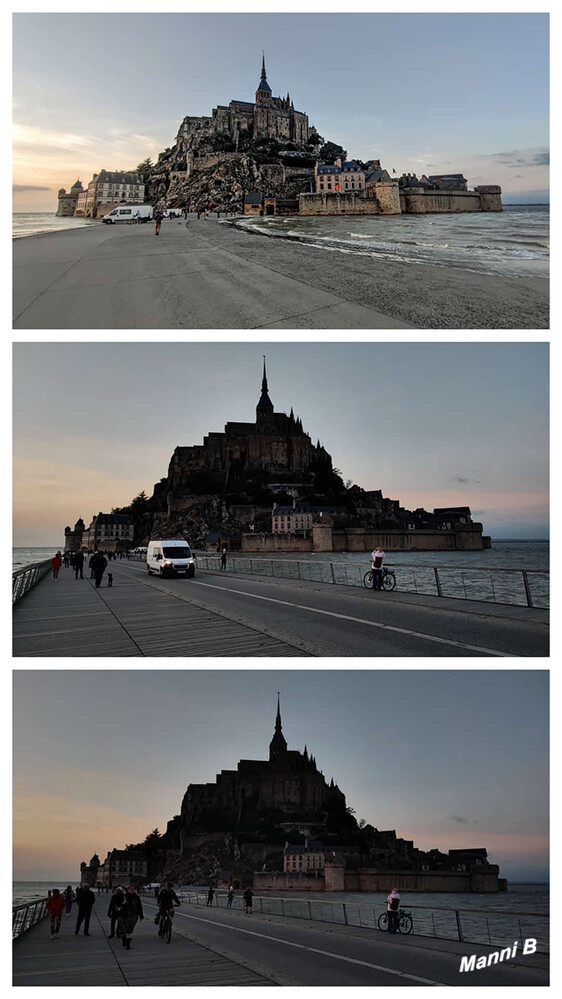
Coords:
225,183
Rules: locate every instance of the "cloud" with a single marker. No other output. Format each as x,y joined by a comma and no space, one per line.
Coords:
521,157
458,818
463,480
28,187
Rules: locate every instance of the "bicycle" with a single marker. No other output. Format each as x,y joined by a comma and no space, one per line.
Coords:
165,928
388,580
405,921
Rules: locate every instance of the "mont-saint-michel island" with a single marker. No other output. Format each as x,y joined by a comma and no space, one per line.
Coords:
330,833
290,192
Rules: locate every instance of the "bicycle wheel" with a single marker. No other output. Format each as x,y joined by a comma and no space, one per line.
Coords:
382,921
168,935
368,580
389,581
406,924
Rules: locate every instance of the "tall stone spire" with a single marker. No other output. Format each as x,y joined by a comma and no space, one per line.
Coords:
278,744
264,408
264,90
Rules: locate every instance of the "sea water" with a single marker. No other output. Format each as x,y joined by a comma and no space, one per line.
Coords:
512,243
34,223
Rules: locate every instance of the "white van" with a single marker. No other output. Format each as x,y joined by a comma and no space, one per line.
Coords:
128,213
169,558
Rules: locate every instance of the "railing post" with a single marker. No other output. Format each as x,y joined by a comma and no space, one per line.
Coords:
272,567
459,926
437,581
332,571
299,570
282,907
309,910
345,913
528,593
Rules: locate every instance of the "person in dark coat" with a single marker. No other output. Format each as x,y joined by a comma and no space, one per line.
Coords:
85,899
69,898
248,896
99,565
115,902
210,895
129,914
79,564
91,566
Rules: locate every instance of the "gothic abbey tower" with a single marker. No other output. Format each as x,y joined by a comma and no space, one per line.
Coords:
275,443
288,783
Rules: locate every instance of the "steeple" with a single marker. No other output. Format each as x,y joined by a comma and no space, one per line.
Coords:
278,744
264,408
263,92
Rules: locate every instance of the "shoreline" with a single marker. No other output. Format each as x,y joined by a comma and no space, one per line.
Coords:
208,275
307,240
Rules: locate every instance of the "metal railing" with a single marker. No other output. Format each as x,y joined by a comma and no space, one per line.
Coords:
516,587
495,927
27,915
25,578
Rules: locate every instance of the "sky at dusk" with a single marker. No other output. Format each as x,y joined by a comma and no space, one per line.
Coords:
431,424
434,93
451,759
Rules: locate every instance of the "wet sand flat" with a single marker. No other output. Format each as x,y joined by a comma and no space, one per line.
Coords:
210,275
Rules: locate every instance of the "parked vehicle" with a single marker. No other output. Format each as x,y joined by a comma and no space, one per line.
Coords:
170,558
128,213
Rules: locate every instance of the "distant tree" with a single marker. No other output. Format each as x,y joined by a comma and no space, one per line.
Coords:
314,139
145,166
330,152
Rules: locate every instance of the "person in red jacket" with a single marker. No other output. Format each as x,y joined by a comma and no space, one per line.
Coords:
55,907
56,563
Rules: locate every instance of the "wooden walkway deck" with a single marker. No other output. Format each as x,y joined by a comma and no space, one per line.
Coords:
96,960
70,617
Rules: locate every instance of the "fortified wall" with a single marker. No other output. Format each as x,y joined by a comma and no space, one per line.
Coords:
384,199
419,201
465,537
369,880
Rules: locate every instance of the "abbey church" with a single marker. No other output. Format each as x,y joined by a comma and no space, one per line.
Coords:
267,117
275,443
289,782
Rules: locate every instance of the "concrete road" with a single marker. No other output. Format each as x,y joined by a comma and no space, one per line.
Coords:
345,621
123,277
297,952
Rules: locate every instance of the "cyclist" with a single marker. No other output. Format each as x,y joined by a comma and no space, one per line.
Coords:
165,902
377,561
393,910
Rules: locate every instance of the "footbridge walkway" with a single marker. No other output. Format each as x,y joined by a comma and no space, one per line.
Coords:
211,946
220,614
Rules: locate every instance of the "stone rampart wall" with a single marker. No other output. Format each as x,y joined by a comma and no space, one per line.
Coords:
337,204
275,543
287,881
417,201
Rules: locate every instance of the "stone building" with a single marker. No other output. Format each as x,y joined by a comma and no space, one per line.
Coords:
266,117
123,867
290,519
274,443
304,857
106,190
339,176
89,873
69,200
73,538
288,783
109,531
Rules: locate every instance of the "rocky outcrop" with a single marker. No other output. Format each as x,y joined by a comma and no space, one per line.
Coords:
225,184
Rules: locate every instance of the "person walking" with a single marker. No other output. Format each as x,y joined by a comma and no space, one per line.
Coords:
99,565
66,560
377,562
55,907
79,564
248,896
138,217
158,216
223,559
68,899
91,565
56,563
230,897
393,910
129,914
115,903
210,895
86,900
